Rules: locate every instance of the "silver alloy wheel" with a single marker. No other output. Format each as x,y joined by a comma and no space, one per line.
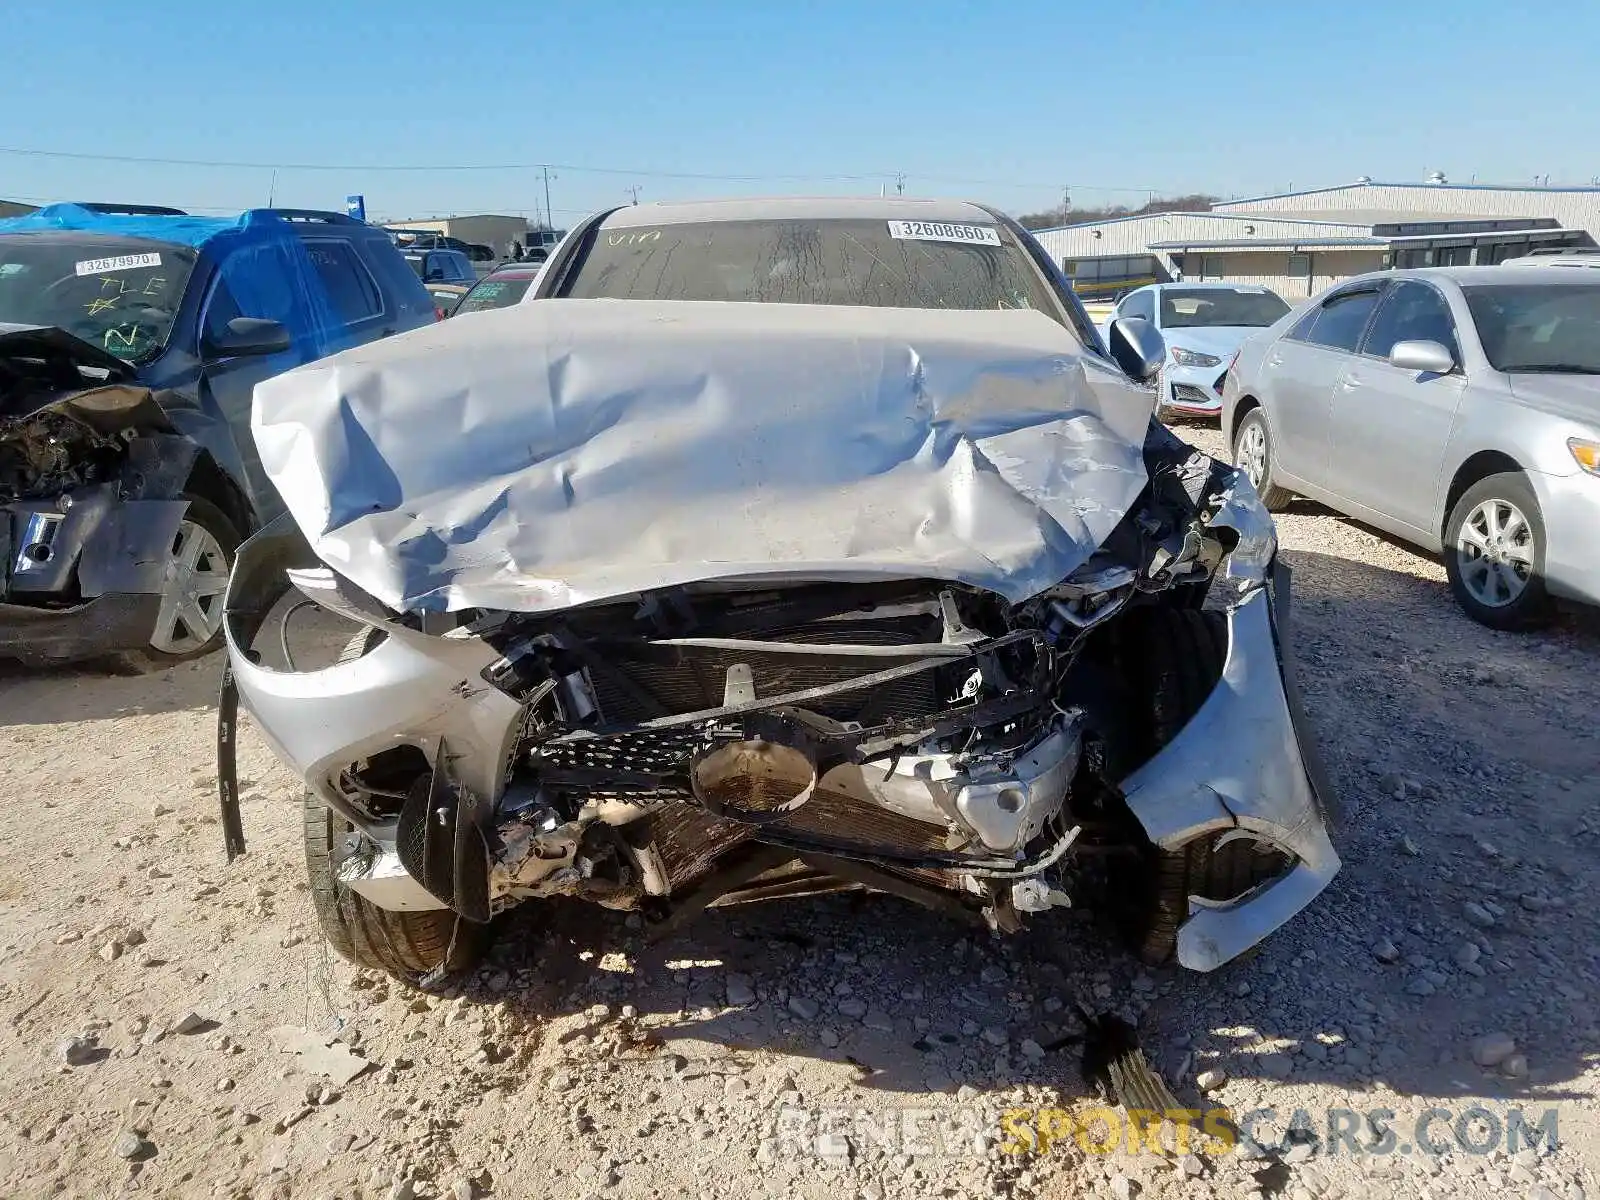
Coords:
1495,552
195,577
1251,452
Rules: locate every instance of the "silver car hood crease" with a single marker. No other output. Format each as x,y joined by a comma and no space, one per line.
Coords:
558,453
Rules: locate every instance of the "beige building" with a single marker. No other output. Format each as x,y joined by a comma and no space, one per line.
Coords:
1300,242
496,232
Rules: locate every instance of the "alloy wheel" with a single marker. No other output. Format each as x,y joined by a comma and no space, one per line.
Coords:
1495,552
1251,452
195,578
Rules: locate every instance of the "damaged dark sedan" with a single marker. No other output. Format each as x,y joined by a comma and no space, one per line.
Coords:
129,347
776,548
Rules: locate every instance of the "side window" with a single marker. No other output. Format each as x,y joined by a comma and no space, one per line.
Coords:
220,309
1302,328
350,287
253,282
1341,319
1141,304
1412,312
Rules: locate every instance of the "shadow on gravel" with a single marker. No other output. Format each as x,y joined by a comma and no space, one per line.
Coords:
903,999
1469,765
48,695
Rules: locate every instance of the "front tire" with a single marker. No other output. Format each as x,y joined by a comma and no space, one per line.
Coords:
1494,549
1181,656
1253,454
407,945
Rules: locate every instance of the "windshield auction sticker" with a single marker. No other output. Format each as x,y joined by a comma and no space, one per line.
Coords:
938,231
123,262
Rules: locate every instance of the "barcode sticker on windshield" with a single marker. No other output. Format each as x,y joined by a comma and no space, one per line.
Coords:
123,262
938,231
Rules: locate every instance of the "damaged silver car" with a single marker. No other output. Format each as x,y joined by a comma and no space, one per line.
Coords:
774,549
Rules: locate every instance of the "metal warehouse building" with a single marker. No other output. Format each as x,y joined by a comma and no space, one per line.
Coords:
1300,242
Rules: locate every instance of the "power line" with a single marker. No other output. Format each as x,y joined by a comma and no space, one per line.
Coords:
437,167
899,178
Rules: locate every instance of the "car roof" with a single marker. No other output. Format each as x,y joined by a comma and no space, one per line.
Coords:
1212,286
517,270
778,208
1486,276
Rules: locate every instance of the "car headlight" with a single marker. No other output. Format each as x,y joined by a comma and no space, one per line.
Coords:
1587,453
1193,358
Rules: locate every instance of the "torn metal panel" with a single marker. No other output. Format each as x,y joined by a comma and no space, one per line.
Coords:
1238,764
549,455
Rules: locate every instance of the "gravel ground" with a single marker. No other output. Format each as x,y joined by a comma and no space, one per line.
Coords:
176,1027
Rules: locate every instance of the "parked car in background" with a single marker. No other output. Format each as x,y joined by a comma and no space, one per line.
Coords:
776,547
130,345
441,266
1457,408
506,284
1565,256
1203,325
446,296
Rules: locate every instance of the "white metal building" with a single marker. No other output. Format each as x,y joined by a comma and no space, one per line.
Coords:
1300,242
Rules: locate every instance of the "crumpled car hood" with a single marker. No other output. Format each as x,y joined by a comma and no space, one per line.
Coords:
556,453
61,354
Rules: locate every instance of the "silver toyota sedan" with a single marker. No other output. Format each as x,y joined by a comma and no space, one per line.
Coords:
1457,408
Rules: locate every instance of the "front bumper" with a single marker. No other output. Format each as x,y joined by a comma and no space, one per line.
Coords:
1193,391
1570,505
50,636
81,575
1241,763
1245,761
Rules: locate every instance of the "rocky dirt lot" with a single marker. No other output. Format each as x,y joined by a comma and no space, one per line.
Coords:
174,1026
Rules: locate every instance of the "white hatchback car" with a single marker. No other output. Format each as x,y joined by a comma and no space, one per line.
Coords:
1203,325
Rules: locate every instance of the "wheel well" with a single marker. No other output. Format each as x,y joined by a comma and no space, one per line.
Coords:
211,482
1245,405
1480,466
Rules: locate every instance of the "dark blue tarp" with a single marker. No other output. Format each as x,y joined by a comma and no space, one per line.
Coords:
264,263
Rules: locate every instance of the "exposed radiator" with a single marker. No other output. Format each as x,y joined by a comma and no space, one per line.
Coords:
688,679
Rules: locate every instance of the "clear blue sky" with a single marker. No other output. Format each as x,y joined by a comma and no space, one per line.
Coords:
1004,103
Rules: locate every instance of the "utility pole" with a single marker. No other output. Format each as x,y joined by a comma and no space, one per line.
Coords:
549,214
634,192
1066,201
899,183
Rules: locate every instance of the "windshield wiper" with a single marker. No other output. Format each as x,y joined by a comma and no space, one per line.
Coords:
1551,368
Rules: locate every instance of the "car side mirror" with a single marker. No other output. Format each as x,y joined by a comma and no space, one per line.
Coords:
1428,357
1136,347
248,337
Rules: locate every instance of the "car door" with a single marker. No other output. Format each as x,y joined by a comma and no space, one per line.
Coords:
260,287
353,293
1389,427
1299,373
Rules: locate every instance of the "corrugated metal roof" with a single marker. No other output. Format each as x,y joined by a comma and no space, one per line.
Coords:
1266,243
1409,184
1202,214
